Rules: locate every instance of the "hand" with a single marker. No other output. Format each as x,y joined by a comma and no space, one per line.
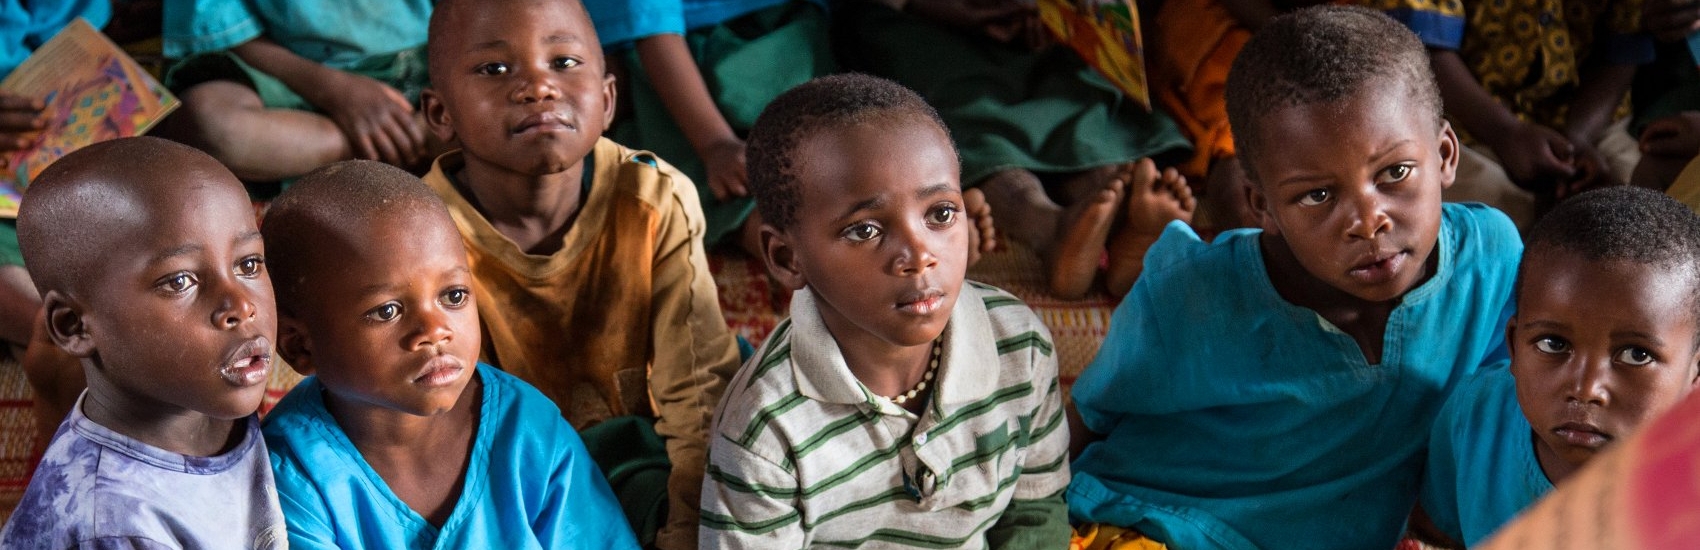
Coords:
1535,157
725,163
1670,20
1673,136
377,120
1591,171
20,117
1002,20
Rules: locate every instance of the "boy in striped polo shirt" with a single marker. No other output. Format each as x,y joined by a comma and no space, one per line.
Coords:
897,407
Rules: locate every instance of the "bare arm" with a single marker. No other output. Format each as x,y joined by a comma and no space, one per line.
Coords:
1533,155
376,119
668,63
1603,88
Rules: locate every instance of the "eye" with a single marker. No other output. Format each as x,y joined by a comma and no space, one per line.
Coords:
1633,356
862,232
1549,344
1314,197
492,69
250,266
1398,173
176,283
564,63
385,313
456,297
944,215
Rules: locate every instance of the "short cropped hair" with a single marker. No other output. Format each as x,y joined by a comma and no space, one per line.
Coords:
1626,224
1323,54
828,102
447,12
328,204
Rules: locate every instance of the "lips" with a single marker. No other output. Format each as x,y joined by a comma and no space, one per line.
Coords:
1581,434
1380,267
921,302
543,122
440,372
248,363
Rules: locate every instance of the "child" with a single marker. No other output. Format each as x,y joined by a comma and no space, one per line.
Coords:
274,88
897,404
1604,339
1275,388
587,256
400,437
155,277
1539,89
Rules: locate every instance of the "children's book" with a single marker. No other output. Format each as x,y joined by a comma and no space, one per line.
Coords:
1106,34
93,92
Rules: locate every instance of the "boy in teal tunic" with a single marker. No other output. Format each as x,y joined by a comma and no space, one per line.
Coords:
1275,388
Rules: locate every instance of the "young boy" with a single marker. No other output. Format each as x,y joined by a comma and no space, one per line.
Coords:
587,256
1275,388
1604,339
897,404
155,278
400,437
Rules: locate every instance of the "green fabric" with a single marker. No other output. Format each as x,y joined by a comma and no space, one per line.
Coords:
741,63
404,71
1007,107
10,254
634,460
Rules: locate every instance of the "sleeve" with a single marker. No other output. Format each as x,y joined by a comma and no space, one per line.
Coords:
123,543
201,26
1439,23
1439,496
1095,392
1037,517
579,509
25,26
304,509
619,22
748,502
694,356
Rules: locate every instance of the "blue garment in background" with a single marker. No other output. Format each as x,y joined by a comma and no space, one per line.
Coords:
527,467
620,22
1235,419
97,488
336,33
23,29
1482,468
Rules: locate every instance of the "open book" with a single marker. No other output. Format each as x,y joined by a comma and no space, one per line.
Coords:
93,92
1106,34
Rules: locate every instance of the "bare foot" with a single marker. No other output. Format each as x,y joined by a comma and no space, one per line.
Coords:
1081,234
984,237
1153,200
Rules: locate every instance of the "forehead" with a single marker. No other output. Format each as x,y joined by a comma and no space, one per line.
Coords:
1348,131
482,25
887,155
1607,293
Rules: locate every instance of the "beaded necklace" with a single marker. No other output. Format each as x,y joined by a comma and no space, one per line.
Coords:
932,368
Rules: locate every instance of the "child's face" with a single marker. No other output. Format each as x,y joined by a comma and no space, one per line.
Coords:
1353,188
526,89
879,237
400,330
181,315
1598,348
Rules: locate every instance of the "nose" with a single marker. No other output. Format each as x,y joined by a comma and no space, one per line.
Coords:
913,253
1591,383
536,84
235,306
433,329
1369,218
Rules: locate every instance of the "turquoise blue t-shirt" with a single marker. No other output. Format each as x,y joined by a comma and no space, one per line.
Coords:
1482,468
620,22
530,483
1235,419
337,33
25,26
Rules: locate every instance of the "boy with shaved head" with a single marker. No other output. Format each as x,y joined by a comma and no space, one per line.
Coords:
151,272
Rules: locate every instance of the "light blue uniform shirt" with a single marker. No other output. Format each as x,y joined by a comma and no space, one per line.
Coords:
1482,468
336,33
527,467
1235,419
23,29
619,22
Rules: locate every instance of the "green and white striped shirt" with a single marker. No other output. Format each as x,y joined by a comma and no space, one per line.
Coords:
802,455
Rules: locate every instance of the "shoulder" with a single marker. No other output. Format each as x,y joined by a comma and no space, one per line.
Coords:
1483,404
763,389
1009,315
643,173
300,409
517,398
1481,233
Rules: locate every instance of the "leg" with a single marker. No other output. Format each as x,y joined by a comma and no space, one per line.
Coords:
1153,200
1084,229
227,120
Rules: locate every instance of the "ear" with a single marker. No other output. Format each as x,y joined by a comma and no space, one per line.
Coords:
65,325
1450,151
294,345
609,96
437,115
1260,206
781,258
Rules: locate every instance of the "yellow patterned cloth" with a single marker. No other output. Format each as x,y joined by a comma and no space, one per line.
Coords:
1528,53
1097,536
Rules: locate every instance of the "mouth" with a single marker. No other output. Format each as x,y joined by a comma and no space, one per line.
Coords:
1380,267
440,372
248,363
547,122
1581,434
921,302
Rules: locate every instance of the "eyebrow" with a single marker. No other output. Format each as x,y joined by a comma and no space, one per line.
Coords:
379,288
876,202
191,248
1311,178
551,39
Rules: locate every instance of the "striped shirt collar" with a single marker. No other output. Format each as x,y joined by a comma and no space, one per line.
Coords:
823,375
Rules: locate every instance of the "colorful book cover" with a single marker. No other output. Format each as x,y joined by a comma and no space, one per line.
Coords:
93,92
1106,34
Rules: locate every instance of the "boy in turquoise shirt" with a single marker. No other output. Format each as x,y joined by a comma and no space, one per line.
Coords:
1275,388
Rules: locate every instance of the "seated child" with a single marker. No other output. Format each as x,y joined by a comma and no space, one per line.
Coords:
587,257
1604,339
400,436
275,88
1275,388
152,273
897,403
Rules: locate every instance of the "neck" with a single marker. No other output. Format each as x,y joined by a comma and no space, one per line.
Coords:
533,211
160,425
376,429
1363,320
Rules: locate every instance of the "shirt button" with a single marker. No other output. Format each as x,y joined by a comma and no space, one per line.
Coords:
921,439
